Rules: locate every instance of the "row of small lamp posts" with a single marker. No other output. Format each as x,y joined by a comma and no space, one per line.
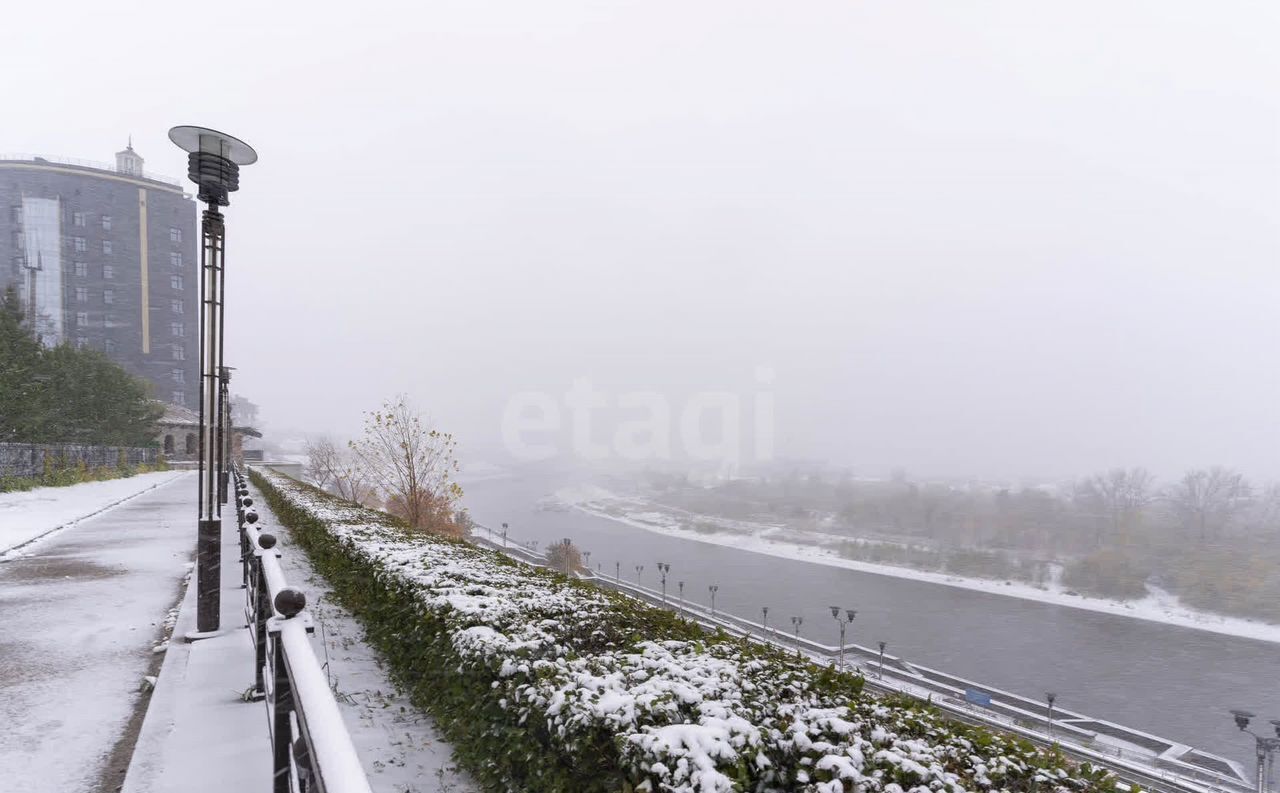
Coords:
843,617
1265,745
844,620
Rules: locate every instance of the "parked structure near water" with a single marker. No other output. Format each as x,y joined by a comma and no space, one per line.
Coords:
105,258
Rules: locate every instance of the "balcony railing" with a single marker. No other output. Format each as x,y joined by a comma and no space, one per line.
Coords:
311,749
79,163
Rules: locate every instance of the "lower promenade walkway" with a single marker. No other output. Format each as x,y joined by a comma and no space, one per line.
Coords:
81,610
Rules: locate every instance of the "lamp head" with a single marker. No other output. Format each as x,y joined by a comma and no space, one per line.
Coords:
851,613
213,161
1242,718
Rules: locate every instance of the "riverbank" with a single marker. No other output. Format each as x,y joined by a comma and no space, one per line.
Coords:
1158,606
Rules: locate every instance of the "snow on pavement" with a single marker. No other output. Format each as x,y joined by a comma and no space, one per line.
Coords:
398,745
26,516
79,616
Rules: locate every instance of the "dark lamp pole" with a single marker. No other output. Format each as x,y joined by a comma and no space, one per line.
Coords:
213,164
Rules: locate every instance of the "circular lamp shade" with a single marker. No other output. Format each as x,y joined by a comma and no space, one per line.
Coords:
211,141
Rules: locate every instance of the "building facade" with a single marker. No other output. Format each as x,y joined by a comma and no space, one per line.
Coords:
105,258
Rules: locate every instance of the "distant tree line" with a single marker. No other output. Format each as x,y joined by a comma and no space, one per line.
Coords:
1211,536
66,395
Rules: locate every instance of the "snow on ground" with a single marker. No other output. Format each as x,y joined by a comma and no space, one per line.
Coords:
25,516
398,745
1159,606
79,616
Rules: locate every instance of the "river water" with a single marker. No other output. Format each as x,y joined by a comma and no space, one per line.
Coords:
1175,682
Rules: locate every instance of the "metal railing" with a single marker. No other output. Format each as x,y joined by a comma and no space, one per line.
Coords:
312,751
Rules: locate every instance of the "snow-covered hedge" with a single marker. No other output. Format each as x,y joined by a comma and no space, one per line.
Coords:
544,683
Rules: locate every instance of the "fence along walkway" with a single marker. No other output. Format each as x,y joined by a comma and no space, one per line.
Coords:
311,749
31,459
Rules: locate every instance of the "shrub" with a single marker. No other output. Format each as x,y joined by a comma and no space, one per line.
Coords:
1109,574
545,683
564,557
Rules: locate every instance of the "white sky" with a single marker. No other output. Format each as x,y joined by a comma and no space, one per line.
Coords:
989,238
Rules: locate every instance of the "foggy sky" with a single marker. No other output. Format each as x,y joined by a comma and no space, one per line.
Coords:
976,238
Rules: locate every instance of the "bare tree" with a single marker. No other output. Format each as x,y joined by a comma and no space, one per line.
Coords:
337,471
1115,499
411,465
564,556
1206,499
322,460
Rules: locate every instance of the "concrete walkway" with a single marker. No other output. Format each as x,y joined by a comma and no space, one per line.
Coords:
79,615
199,734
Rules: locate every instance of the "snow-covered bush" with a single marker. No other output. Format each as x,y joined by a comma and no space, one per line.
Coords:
544,683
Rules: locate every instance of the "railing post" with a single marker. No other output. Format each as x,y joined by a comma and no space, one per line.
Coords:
281,713
261,610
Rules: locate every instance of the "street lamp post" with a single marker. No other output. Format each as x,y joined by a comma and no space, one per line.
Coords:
617,572
213,163
586,559
1051,698
1266,747
663,569
843,622
796,622
765,625
224,430
882,646
504,535
713,589
639,570
681,585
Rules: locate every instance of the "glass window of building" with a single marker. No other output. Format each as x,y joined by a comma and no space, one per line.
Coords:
106,223
175,306
106,246
177,329
82,294
108,296
109,320
179,397
77,218
175,281
179,354
82,319
81,342
175,234
15,212
109,346
175,259
80,245
82,269
108,271
177,375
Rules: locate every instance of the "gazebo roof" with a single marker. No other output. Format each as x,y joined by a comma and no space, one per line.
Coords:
179,416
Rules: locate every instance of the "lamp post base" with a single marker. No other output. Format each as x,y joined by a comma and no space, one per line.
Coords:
208,575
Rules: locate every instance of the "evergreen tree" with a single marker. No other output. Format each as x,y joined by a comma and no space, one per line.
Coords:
65,395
